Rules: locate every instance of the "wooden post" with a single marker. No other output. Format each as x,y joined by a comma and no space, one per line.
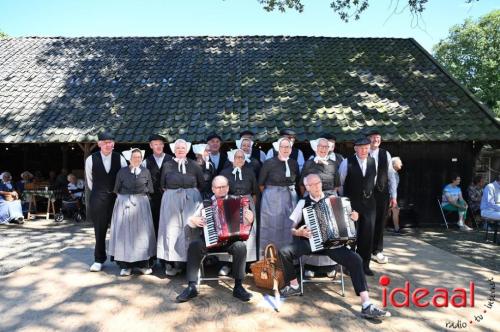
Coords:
64,150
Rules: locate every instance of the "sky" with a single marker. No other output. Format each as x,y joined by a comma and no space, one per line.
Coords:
77,18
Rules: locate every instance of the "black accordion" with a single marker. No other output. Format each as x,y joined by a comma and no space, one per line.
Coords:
330,223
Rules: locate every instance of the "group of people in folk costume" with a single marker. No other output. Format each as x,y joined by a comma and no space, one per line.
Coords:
154,205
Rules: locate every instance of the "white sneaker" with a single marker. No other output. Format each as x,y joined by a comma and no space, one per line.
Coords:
145,270
331,274
125,272
380,258
309,274
465,228
96,267
224,271
171,271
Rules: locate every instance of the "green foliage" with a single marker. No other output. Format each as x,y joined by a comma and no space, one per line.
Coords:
346,9
3,34
471,53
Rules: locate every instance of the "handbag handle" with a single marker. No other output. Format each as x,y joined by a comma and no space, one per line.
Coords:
270,253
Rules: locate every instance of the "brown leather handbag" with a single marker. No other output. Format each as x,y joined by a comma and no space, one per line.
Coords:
268,272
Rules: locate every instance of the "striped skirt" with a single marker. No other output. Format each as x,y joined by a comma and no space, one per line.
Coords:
177,206
275,225
132,233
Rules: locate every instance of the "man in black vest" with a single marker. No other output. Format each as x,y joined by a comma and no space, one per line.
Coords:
257,153
218,158
301,246
357,179
101,168
296,153
154,163
385,193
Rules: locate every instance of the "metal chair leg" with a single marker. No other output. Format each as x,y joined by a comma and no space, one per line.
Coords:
442,213
301,276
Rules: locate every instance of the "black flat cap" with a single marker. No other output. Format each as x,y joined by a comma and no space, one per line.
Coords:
287,132
362,141
247,132
105,136
329,136
373,132
213,135
156,137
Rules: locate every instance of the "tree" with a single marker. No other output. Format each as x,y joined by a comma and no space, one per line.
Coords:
346,9
471,53
3,34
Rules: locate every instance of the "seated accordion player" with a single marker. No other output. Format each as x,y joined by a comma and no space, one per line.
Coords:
225,222
330,223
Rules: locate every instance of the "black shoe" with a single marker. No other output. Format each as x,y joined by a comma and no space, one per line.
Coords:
20,220
368,271
288,291
187,294
240,293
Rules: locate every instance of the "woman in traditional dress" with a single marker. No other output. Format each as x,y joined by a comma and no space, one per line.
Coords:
277,180
132,242
246,144
182,180
242,182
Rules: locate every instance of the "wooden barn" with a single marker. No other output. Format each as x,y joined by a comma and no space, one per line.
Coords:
57,93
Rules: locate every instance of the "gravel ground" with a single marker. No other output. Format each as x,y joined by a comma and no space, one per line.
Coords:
468,245
23,244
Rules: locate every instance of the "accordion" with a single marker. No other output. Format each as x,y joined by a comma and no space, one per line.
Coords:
225,222
329,221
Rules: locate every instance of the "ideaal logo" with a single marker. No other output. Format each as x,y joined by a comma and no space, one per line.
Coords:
439,297
423,297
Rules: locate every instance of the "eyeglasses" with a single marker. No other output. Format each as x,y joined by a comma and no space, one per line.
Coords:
239,157
220,187
313,184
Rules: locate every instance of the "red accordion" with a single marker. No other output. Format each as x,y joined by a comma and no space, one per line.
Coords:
225,221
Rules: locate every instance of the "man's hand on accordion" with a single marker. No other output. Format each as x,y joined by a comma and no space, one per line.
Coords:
302,231
248,216
354,215
198,221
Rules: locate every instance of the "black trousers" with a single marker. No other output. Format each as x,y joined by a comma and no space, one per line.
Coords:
348,258
364,228
155,202
382,209
101,206
197,250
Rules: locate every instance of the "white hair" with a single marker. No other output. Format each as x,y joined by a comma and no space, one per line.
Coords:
396,160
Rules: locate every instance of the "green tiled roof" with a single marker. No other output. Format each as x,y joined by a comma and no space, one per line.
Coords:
68,89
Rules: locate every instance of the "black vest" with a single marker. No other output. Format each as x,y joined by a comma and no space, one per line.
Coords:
155,171
382,176
356,187
293,155
102,181
256,155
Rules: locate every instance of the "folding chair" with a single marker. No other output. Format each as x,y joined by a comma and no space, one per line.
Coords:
201,271
443,214
493,222
333,280
473,215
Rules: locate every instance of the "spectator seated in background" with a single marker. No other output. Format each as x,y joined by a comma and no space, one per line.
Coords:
10,205
453,201
75,187
475,192
26,177
490,202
